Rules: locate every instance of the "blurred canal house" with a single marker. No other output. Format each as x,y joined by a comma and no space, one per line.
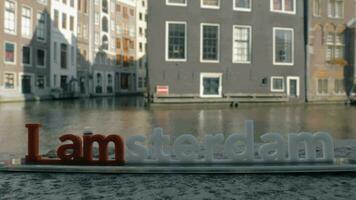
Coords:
24,42
113,47
330,49
218,50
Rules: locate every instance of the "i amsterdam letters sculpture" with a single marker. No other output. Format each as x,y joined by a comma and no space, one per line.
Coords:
186,149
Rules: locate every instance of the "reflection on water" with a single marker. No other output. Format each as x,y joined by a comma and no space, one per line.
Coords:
128,116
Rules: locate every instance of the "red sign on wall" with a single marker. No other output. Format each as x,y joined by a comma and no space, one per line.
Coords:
162,90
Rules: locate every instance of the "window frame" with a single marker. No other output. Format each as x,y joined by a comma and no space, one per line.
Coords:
242,9
283,85
177,4
250,44
210,75
15,16
15,53
45,58
167,59
209,6
283,11
201,43
297,78
15,80
31,56
274,46
31,22
45,27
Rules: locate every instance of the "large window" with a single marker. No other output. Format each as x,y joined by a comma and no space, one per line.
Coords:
9,80
339,87
241,44
41,58
41,26
10,53
323,86
317,8
10,17
283,6
40,82
176,2
26,55
26,22
210,4
209,50
64,20
335,46
277,84
64,50
176,41
105,24
211,85
242,5
336,8
283,47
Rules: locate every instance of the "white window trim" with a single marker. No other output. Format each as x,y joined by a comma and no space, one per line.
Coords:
201,43
210,75
277,90
16,12
242,9
283,8
209,6
45,58
15,53
19,88
314,7
185,43
177,4
250,42
15,81
274,46
31,21
317,87
298,84
31,56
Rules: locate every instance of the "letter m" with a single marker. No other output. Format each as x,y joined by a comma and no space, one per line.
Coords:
103,142
310,142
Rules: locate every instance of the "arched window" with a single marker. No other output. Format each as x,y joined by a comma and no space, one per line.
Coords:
105,42
105,6
105,25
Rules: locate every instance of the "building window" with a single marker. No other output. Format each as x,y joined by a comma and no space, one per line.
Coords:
283,46
41,57
335,46
242,5
44,2
105,25
98,88
56,18
140,82
109,88
215,4
210,85
55,52
176,41
72,56
176,2
283,6
64,50
336,8
317,8
277,84
40,82
339,86
242,44
26,23
71,23
26,55
10,17
41,29
323,86
105,6
9,80
209,50
105,43
64,20
10,53
71,3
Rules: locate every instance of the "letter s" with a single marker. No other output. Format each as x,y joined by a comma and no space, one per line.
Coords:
136,152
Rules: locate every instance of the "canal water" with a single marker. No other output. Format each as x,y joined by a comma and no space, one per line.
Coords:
128,116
